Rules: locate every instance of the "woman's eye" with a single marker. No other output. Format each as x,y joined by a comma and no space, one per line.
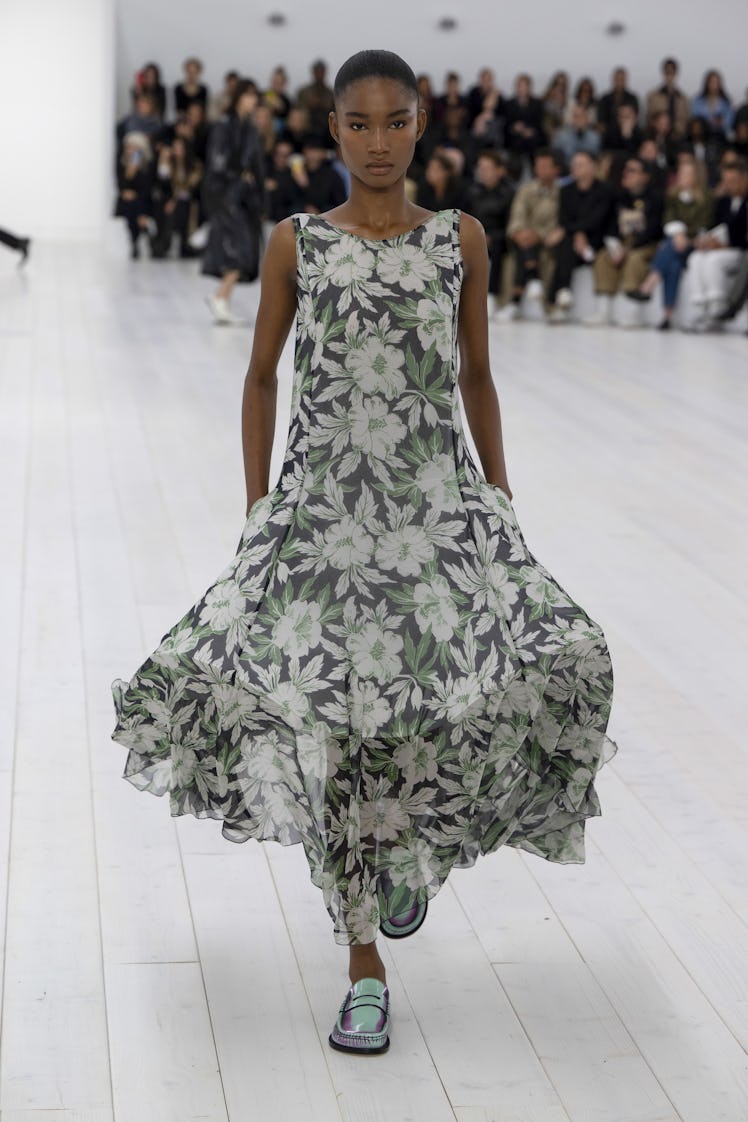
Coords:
399,124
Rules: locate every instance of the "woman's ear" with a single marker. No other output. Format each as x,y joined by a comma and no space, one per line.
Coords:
421,127
332,122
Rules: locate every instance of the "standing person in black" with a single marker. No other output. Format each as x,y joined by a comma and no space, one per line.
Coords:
234,197
490,200
190,90
148,81
583,216
610,103
523,117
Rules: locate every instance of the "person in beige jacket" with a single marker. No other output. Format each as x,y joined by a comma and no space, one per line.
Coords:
667,98
532,232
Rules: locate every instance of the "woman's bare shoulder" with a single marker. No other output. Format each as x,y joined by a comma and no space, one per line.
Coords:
280,251
472,239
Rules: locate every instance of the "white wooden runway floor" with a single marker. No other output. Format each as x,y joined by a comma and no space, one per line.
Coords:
154,972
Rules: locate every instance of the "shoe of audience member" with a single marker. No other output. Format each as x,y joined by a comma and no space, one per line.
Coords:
637,294
728,314
534,290
564,298
602,316
134,251
558,315
508,313
24,248
664,325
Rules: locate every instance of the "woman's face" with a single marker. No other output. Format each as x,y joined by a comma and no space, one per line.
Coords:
436,173
713,84
377,122
687,175
247,103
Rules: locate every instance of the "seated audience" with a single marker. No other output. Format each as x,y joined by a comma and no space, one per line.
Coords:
634,230
297,127
284,194
718,252
579,136
190,90
148,81
220,103
584,95
265,125
533,217
659,174
317,99
452,99
555,102
583,220
276,96
667,98
706,148
488,126
523,117
713,106
689,211
179,174
483,97
134,182
320,186
442,185
623,134
490,201
611,102
195,118
451,133
143,118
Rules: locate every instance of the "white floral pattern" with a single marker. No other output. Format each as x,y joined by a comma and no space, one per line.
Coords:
384,673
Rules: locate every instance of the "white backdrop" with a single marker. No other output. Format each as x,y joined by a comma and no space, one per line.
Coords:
57,85
511,35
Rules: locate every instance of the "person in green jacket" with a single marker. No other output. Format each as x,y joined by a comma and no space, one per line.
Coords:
689,211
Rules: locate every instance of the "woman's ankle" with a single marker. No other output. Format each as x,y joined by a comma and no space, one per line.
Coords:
365,963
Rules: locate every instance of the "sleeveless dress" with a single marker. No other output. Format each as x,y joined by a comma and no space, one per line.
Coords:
384,672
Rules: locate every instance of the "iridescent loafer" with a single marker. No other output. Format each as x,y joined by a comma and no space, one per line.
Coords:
363,1020
403,912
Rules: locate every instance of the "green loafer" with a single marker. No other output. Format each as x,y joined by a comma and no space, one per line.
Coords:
363,1019
401,910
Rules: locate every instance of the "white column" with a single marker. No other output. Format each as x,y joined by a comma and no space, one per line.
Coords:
57,119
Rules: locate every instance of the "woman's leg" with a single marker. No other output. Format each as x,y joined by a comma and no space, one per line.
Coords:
365,962
671,281
226,287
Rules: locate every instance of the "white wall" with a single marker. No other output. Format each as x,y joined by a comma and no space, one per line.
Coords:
511,35
57,86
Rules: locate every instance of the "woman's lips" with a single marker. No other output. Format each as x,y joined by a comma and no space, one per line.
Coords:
380,169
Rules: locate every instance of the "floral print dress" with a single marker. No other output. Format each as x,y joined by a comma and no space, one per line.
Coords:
384,672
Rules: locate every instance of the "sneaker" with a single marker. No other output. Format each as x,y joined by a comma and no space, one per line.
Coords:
564,298
602,316
558,315
222,312
508,313
534,290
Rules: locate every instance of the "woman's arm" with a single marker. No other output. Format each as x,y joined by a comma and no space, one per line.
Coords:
475,382
274,318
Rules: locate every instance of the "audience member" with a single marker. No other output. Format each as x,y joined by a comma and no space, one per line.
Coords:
623,134
532,220
488,126
523,115
265,125
484,97
583,219
143,118
276,95
296,127
190,90
319,184
490,201
706,148
578,136
134,183
713,106
284,195
718,252
179,174
689,210
555,102
452,133
634,229
584,95
442,186
148,81
611,102
668,145
220,103
425,94
317,99
667,98
659,174
451,100
195,118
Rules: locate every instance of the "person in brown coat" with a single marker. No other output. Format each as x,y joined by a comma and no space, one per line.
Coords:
667,98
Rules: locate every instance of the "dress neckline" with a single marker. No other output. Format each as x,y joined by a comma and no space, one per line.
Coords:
378,241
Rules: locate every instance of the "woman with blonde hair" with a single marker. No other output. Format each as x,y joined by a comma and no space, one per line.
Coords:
689,211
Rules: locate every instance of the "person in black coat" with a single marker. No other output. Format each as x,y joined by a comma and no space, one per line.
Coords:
523,120
319,185
633,233
584,217
234,199
148,80
611,102
490,200
135,179
191,91
284,195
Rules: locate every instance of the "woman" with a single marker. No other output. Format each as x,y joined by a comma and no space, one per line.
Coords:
179,174
276,96
135,178
148,80
584,95
555,102
441,187
689,212
714,106
234,199
385,674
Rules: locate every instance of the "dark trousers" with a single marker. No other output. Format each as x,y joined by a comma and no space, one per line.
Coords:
526,265
496,247
566,260
6,238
